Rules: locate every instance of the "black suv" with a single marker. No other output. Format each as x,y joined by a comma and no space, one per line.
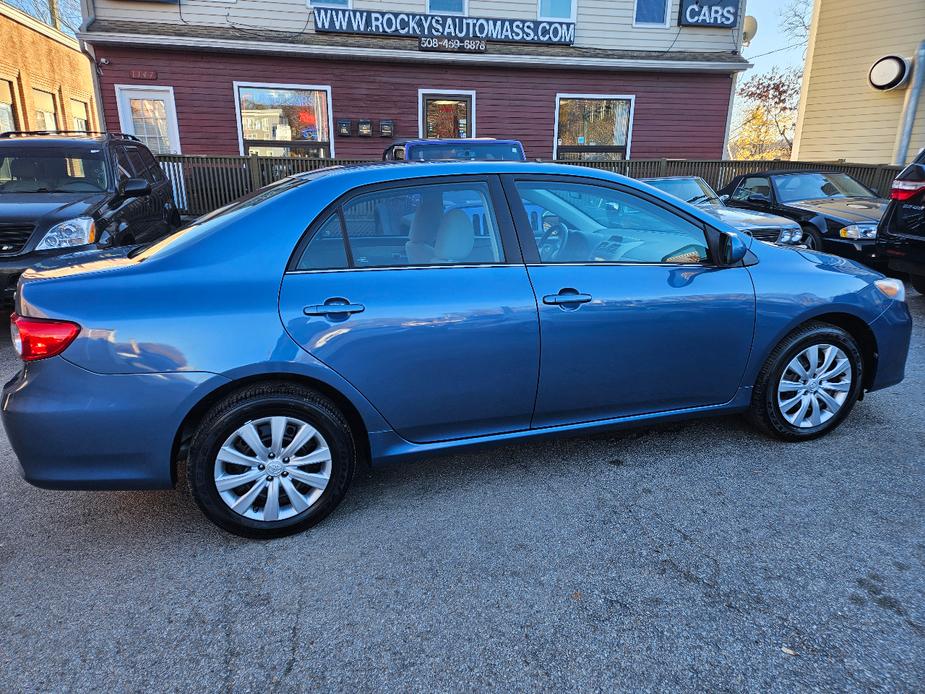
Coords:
901,236
62,192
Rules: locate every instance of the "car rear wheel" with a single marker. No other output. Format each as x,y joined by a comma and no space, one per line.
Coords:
271,460
809,383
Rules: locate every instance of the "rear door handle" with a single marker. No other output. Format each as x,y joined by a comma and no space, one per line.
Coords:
334,307
566,297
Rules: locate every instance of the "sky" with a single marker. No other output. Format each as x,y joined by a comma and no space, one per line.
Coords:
771,47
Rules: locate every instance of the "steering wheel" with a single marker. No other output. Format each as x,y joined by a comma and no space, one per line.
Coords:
553,241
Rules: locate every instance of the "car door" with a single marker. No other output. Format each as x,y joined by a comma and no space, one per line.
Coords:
417,294
164,214
634,316
134,217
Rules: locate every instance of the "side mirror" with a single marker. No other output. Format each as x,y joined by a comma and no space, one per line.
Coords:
724,198
759,199
134,188
732,249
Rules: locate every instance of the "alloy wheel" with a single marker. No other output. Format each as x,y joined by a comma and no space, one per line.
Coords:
814,386
273,468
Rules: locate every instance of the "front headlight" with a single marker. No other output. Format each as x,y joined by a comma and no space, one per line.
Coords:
858,231
892,288
790,235
74,232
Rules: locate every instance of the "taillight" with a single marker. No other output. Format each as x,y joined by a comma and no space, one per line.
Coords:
38,338
906,190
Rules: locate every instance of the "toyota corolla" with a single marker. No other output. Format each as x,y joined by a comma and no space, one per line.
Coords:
378,313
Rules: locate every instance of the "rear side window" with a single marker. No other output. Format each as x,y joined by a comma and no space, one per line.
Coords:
326,249
153,170
439,224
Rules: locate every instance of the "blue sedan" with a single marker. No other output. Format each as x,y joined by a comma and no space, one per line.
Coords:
384,312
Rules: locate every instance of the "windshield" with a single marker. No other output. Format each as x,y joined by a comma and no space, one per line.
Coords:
812,186
692,190
467,151
58,169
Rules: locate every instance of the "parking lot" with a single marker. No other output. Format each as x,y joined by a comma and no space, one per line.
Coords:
696,556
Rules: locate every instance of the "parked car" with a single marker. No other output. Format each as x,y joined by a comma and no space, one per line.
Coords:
272,370
838,214
761,225
69,190
465,149
901,236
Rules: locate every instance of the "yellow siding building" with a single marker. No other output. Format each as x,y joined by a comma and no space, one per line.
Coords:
841,116
45,81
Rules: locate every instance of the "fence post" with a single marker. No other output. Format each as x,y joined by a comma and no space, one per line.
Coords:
253,166
662,167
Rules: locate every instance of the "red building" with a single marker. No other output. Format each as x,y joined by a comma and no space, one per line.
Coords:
345,83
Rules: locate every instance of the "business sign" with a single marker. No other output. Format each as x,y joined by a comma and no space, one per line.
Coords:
412,25
722,14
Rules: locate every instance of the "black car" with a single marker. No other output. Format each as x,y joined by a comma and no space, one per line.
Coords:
838,214
62,192
901,236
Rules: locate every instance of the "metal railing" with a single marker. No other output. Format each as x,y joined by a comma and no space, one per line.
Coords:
205,183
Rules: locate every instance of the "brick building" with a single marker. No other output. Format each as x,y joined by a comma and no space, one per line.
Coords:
45,81
590,79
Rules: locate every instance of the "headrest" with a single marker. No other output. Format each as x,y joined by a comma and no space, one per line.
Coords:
426,217
455,236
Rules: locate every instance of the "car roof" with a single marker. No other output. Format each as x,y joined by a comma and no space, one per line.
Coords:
455,141
64,137
669,178
787,172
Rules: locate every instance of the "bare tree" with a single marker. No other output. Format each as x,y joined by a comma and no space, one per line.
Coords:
795,20
67,11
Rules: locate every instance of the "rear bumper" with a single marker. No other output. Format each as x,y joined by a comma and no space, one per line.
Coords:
903,254
74,429
893,332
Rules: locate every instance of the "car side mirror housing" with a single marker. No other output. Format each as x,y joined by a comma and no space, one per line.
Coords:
759,199
724,198
134,188
732,249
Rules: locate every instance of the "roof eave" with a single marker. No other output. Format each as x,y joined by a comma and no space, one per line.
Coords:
355,53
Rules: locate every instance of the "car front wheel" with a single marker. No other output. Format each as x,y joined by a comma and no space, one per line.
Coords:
271,460
808,384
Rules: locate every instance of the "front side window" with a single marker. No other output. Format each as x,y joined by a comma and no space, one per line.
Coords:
79,115
440,224
753,185
446,6
586,223
559,10
285,122
651,12
45,118
591,127
7,114
814,186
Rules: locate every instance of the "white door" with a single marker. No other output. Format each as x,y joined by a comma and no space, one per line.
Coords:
150,114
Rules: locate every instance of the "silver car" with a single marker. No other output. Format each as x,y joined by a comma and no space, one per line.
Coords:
761,225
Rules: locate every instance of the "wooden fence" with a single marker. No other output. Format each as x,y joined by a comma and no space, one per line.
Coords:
205,183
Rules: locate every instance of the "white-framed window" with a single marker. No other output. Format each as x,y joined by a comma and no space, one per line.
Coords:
652,13
446,113
284,120
448,7
556,10
150,114
7,109
45,110
80,116
343,4
593,126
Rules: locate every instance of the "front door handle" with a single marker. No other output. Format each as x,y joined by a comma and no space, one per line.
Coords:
566,297
334,307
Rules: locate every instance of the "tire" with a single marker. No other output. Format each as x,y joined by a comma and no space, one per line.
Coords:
918,283
812,238
299,505
766,412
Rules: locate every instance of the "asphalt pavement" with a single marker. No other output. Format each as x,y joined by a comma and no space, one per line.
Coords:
699,556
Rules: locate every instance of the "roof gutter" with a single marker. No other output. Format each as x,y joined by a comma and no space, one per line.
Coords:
88,9
391,54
